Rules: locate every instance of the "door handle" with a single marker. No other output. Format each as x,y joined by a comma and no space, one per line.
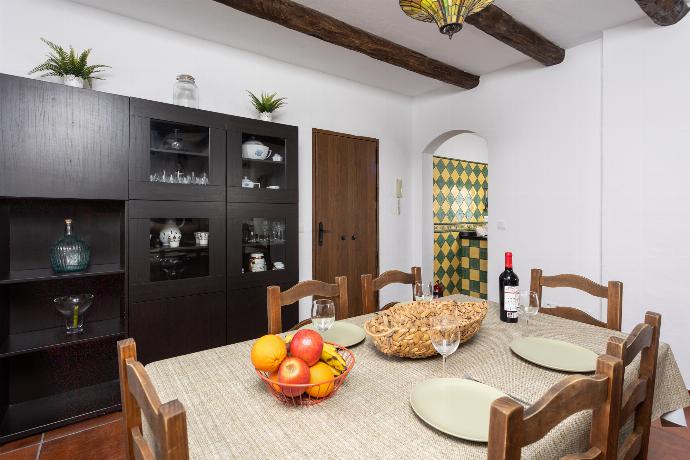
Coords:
321,232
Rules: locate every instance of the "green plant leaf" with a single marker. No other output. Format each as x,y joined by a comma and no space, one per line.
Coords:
60,63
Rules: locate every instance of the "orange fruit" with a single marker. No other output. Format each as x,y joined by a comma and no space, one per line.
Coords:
268,352
318,373
274,378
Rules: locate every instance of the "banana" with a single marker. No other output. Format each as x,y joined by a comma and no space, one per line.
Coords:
330,356
288,338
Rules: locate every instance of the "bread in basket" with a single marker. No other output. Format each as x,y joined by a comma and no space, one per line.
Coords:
403,329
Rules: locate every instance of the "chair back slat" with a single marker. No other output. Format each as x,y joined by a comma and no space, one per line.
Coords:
371,285
613,293
276,299
168,422
627,349
512,427
639,398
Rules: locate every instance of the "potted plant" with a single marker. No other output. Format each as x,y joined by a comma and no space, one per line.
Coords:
73,68
266,104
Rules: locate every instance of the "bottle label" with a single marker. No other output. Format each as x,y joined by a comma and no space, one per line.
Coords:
511,300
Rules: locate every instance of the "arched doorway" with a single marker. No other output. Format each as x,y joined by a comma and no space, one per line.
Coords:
455,203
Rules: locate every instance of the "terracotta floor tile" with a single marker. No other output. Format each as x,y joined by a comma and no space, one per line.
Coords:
25,453
14,445
86,424
666,446
98,443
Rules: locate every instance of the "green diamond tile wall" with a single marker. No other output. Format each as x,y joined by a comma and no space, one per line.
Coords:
459,191
460,197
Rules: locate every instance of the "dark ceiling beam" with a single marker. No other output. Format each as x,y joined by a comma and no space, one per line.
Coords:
664,12
503,27
311,22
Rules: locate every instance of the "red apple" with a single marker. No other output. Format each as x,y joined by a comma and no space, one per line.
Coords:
307,345
293,371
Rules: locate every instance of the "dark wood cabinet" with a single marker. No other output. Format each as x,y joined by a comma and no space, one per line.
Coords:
277,180
158,271
247,318
62,142
129,171
177,326
171,145
266,229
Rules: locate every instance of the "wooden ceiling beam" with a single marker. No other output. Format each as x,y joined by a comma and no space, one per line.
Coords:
664,12
327,28
503,27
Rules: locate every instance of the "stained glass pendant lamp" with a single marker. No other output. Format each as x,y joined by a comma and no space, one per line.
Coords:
449,15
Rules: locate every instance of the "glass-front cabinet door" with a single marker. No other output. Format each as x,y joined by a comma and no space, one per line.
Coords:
262,243
176,153
176,248
262,162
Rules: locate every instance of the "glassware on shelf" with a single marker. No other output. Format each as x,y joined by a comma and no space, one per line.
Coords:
278,266
73,307
174,141
185,92
69,253
179,177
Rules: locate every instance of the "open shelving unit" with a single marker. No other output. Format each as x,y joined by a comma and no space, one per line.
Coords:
32,332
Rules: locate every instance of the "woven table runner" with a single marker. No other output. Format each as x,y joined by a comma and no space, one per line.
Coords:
230,414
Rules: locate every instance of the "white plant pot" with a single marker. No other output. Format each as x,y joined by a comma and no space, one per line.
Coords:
266,116
71,80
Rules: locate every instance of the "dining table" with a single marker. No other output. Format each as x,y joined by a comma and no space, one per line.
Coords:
230,413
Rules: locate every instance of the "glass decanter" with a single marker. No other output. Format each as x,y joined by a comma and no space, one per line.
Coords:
69,253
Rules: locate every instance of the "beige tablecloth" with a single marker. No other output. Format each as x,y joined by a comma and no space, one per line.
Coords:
231,415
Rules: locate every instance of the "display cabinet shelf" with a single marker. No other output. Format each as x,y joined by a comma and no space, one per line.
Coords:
168,250
180,152
272,162
28,342
47,413
46,274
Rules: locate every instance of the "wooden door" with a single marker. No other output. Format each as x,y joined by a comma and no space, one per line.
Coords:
345,210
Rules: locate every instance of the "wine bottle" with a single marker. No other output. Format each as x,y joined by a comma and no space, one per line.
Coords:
438,290
509,292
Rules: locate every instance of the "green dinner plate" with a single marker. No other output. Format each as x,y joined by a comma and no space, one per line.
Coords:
342,333
555,354
457,407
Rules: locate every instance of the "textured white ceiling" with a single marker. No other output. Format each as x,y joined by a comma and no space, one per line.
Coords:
566,22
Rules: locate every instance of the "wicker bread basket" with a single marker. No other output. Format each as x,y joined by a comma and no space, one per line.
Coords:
403,330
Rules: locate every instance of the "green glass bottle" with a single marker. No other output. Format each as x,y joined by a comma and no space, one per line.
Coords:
70,253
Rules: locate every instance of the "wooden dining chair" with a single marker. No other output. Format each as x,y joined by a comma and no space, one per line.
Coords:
637,400
168,422
276,300
513,427
613,293
371,285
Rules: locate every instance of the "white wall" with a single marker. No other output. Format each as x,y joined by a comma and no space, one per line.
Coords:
544,145
646,198
462,146
145,60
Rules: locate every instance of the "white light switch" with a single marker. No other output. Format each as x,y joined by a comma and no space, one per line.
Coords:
500,225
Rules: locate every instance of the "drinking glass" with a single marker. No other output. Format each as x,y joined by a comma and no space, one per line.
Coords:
445,335
529,305
323,314
423,291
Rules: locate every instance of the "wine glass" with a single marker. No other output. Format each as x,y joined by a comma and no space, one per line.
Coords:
445,335
323,314
423,291
529,305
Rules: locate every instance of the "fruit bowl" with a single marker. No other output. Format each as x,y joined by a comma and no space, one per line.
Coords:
309,394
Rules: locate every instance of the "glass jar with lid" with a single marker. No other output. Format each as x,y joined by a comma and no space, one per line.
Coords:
185,92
